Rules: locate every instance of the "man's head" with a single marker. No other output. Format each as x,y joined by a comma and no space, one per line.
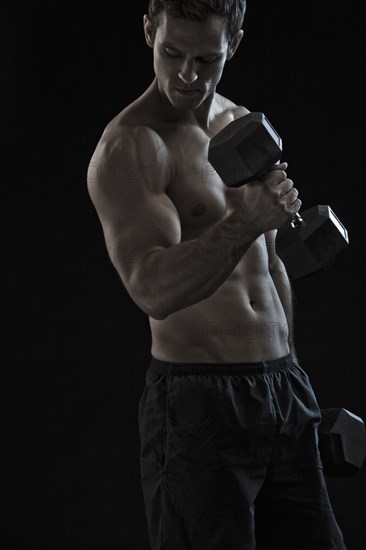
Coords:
230,11
192,40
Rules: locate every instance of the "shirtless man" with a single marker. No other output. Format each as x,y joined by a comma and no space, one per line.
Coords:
228,419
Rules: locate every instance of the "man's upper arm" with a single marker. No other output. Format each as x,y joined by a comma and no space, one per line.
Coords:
127,180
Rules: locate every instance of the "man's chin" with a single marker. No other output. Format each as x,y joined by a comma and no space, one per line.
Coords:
185,100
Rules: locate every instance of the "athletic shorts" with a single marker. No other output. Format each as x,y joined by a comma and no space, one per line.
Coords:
229,458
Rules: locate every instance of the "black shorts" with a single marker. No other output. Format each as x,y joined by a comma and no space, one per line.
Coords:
230,459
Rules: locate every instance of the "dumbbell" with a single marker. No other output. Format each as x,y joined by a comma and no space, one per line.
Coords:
342,442
244,151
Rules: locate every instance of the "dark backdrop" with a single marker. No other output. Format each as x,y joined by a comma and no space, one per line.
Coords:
75,347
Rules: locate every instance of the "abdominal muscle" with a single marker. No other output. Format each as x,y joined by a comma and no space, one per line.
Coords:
243,321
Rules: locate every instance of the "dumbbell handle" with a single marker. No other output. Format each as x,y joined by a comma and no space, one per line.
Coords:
296,220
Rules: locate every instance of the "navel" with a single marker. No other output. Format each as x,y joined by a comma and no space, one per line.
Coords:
198,210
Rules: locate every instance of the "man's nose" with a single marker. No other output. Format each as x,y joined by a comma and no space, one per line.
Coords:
188,73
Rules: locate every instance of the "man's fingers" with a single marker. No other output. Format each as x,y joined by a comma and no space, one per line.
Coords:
291,196
286,186
281,166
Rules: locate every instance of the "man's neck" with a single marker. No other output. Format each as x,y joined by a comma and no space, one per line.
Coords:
202,116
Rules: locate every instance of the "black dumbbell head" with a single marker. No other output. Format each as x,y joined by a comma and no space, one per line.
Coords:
315,244
245,149
342,442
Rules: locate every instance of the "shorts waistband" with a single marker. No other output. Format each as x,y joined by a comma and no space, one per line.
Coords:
172,368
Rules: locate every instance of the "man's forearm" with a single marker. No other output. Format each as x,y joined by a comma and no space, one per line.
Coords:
186,273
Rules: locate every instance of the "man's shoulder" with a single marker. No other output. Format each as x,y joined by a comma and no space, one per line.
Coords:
128,129
128,142
230,108
239,111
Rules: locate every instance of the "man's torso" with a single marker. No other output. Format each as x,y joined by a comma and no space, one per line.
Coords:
243,321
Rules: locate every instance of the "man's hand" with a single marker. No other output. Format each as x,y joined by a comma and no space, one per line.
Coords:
271,201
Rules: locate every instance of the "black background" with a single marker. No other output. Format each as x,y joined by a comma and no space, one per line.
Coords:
75,347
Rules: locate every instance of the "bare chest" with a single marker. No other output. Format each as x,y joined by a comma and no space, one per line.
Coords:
197,191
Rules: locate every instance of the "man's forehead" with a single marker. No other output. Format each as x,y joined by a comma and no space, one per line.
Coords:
184,32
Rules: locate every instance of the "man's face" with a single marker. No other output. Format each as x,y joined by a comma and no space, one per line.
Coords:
189,58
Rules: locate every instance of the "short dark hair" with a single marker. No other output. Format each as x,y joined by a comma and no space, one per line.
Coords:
232,11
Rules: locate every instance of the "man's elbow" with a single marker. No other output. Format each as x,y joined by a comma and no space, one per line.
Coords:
148,306
154,310
144,293
158,316
149,303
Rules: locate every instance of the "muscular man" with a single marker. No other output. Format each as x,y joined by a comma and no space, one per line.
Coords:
228,419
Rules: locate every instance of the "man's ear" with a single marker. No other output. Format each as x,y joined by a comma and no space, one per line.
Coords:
149,31
235,43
